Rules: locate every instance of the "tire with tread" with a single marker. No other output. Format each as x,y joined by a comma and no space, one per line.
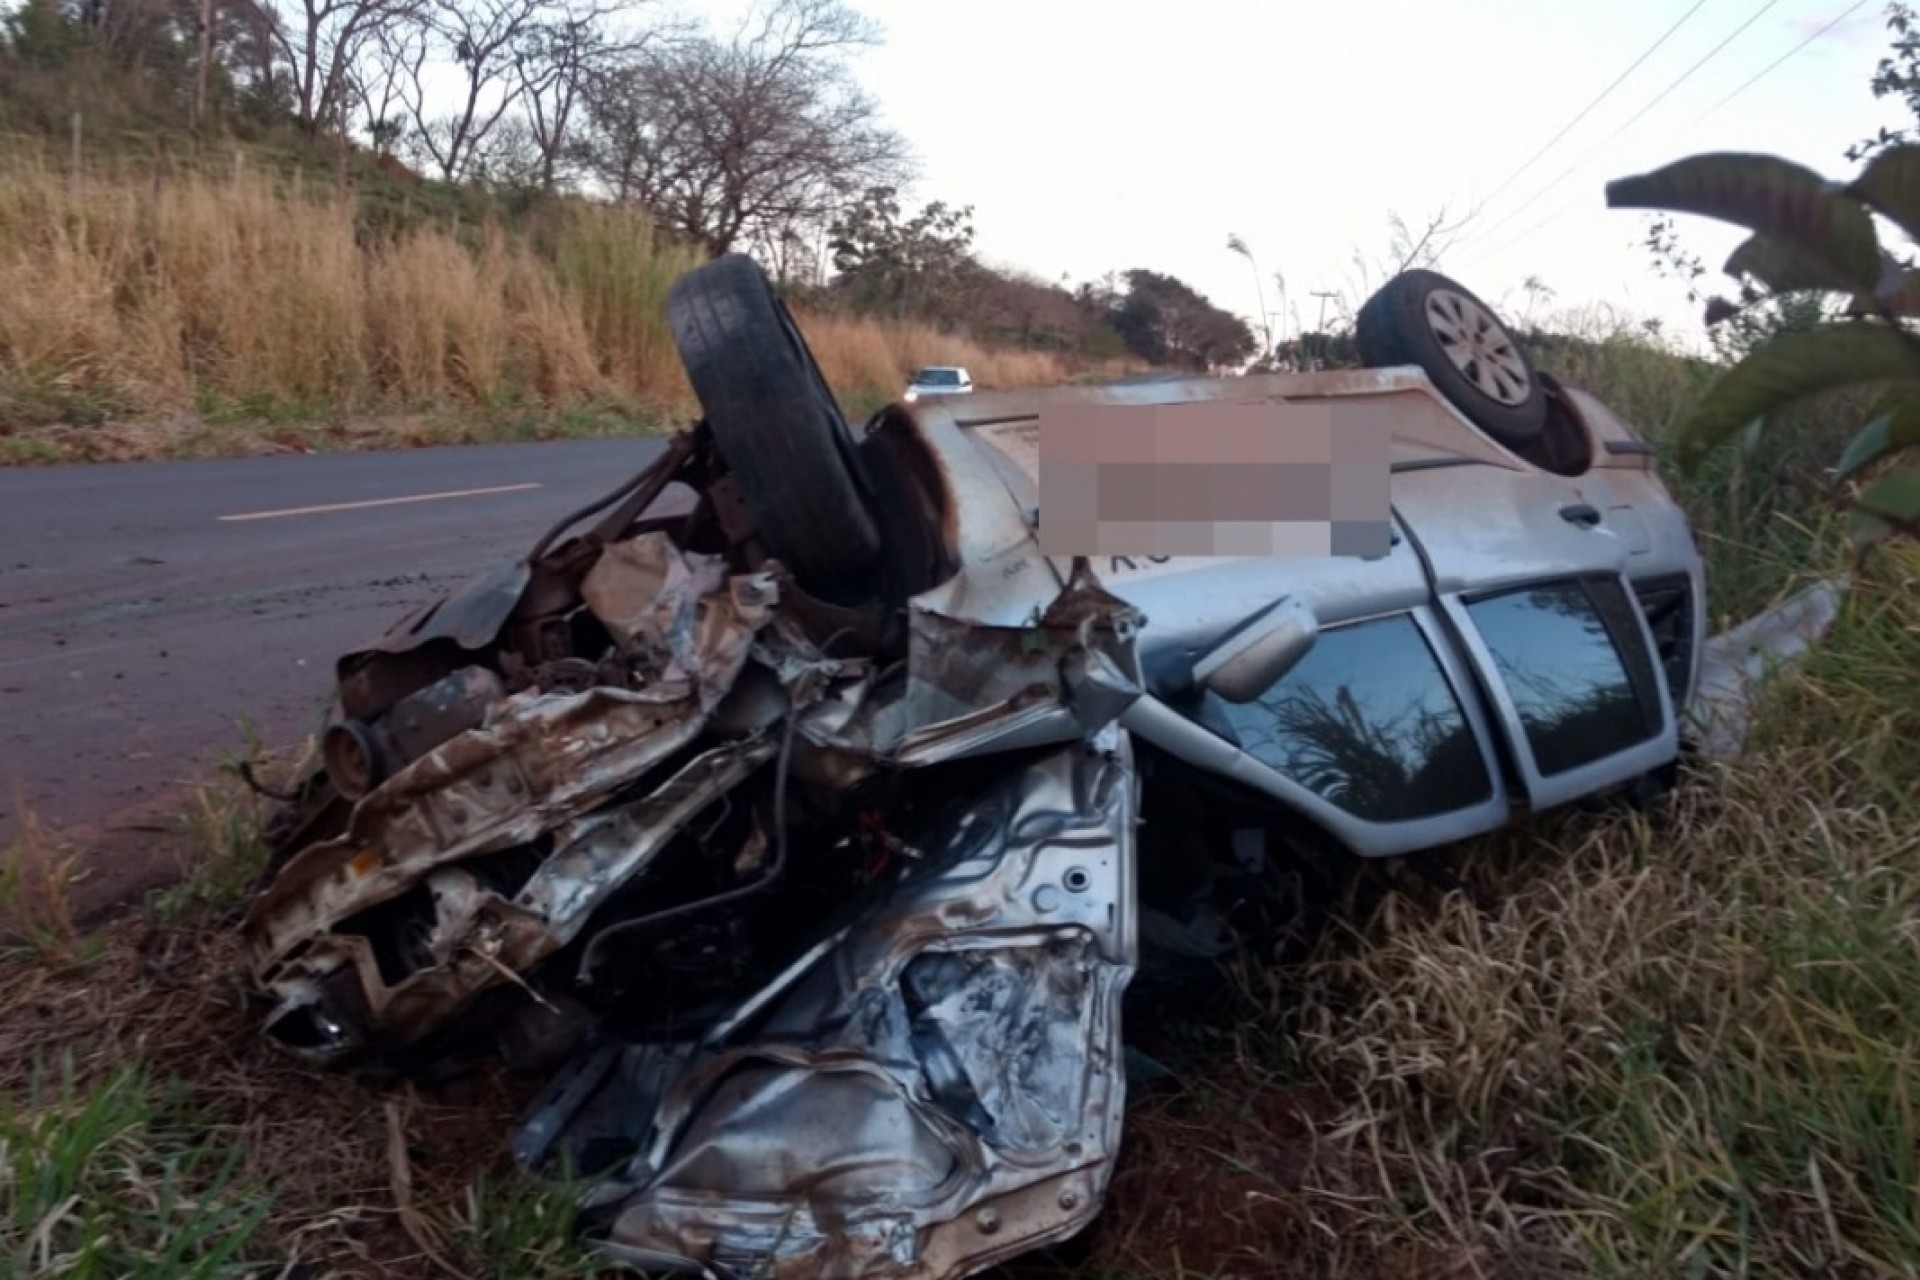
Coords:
775,423
1393,329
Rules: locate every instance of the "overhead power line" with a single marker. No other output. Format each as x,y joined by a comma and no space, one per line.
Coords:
1771,66
1563,209
1598,99
1637,116
1519,237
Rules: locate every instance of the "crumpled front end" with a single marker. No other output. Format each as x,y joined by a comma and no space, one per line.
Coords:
829,909
489,851
936,1087
625,780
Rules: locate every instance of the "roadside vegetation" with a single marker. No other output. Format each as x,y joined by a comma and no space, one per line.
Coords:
231,227
203,311
1674,1044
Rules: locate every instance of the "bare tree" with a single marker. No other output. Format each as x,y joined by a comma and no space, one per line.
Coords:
1424,246
486,38
386,64
509,157
740,140
622,147
202,60
322,41
562,56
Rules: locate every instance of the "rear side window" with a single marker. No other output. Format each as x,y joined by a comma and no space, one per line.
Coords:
1368,722
1576,669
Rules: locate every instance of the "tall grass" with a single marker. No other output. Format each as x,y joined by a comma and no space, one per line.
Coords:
1642,377
255,292
859,354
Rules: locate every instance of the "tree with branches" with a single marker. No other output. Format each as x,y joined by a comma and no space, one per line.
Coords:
485,38
562,56
742,140
320,42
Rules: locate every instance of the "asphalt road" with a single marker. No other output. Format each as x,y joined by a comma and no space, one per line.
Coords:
153,616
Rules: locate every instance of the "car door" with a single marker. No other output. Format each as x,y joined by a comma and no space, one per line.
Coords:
1533,582
1375,734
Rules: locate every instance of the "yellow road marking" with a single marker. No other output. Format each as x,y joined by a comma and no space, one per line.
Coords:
377,502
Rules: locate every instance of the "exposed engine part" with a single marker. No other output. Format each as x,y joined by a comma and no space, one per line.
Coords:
359,757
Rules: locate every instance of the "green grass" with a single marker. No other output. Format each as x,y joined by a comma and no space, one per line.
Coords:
121,1180
147,1129
1644,381
511,1228
128,1177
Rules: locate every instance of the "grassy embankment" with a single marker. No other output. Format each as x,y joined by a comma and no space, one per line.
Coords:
253,305
1683,1044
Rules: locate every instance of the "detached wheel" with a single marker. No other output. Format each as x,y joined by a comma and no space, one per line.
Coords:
1423,318
775,423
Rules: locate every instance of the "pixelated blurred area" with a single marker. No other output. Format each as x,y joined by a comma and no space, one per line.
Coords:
1215,479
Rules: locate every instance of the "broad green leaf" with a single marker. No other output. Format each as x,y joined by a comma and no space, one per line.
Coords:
1891,184
1791,368
1896,426
1783,201
1891,505
1779,267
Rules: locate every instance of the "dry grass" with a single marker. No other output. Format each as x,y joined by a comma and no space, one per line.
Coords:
253,295
37,882
861,356
259,298
147,1129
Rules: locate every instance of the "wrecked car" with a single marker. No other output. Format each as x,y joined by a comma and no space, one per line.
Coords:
811,833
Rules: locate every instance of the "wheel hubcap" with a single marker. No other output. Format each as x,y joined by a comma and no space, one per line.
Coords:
1479,348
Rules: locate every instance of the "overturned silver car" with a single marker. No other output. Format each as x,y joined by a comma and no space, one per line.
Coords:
812,833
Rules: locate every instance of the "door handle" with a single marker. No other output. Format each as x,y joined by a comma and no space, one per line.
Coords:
1581,513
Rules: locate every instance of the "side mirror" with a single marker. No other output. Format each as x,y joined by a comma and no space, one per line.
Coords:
1245,664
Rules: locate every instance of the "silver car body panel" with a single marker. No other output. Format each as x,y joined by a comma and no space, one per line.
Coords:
937,1090
1469,516
1735,664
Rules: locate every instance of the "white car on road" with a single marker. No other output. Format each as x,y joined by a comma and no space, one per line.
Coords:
939,380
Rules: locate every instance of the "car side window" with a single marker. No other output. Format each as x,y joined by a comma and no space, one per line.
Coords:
1367,721
1571,681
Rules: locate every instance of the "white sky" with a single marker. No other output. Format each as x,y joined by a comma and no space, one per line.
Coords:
1097,135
